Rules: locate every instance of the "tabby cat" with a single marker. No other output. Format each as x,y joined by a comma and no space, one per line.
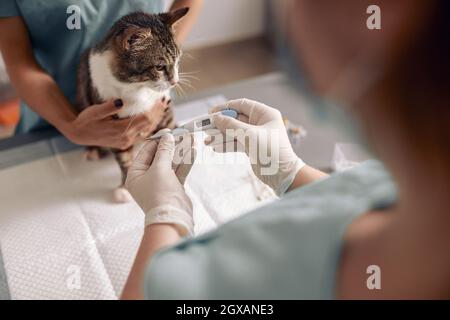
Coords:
137,62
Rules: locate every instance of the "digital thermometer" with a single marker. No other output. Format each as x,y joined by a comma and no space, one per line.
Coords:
200,123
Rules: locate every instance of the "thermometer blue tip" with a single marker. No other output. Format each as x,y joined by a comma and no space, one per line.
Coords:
230,113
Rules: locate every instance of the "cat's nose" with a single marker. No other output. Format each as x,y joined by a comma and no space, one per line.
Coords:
173,78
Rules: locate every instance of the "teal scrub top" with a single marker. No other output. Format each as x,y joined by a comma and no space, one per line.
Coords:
288,249
57,48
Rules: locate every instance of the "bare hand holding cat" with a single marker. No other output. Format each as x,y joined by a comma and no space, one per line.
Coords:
97,126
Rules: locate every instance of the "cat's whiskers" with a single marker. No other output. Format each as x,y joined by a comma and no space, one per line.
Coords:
188,79
188,76
186,83
190,72
180,91
188,55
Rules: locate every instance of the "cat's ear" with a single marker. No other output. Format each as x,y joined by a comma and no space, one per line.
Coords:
133,37
169,18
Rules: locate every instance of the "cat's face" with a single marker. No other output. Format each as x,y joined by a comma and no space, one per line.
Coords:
146,52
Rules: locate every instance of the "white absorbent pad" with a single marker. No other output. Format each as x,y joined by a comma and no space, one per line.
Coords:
62,237
60,234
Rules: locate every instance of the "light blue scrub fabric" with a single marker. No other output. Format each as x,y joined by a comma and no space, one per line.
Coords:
287,250
58,49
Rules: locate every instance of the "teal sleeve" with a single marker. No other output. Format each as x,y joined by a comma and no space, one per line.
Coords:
9,8
256,257
288,249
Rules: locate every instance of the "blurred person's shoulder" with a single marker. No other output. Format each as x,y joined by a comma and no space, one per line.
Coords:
300,234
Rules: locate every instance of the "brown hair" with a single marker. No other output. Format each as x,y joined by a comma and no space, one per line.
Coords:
421,80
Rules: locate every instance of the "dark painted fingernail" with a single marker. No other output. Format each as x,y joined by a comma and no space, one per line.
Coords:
163,99
118,103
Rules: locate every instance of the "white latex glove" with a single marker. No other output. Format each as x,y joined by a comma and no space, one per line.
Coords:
156,183
262,137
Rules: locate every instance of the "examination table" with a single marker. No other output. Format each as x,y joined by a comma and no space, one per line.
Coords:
62,237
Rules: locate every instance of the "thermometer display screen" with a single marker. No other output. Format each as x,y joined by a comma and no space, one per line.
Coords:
204,123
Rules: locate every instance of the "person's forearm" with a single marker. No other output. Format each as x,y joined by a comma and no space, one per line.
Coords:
156,237
306,175
33,84
184,26
42,94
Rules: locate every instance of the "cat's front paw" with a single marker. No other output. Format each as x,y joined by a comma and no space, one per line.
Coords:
121,195
94,154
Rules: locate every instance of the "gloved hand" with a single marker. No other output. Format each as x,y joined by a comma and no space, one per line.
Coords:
260,132
156,183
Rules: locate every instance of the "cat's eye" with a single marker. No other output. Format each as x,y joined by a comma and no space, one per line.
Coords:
160,67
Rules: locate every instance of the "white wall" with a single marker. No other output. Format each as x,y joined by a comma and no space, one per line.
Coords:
227,20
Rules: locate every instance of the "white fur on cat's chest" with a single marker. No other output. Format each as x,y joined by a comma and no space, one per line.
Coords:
137,98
